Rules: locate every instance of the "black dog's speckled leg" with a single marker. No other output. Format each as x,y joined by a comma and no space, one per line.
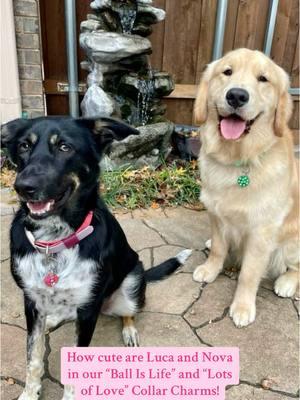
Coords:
35,351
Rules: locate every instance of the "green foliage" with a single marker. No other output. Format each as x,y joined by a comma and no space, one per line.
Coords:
170,185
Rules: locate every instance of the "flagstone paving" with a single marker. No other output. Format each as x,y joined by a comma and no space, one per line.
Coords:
178,312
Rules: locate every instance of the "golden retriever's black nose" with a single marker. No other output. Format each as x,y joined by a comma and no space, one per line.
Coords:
237,97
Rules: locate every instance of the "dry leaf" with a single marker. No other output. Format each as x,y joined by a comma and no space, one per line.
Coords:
268,383
155,205
7,177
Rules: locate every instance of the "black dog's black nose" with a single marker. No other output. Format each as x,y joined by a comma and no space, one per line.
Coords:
237,97
26,187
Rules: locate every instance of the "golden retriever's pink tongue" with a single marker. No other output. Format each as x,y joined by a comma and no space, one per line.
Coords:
232,128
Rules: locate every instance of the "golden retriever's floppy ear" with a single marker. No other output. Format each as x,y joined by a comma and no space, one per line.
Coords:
284,108
200,107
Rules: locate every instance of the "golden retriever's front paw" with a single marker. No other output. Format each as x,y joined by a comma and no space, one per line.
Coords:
242,314
286,285
205,273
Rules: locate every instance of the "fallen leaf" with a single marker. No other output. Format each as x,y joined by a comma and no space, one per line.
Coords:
268,383
9,381
154,205
7,177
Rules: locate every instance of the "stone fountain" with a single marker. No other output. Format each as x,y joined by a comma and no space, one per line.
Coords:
121,82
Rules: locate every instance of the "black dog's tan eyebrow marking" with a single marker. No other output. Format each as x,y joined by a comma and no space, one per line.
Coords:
32,137
53,138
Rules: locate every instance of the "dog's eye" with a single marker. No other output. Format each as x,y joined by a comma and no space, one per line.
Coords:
64,147
262,78
227,72
23,147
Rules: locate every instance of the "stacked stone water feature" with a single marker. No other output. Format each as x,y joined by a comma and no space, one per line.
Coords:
121,82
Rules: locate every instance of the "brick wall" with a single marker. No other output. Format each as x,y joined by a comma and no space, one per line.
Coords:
29,56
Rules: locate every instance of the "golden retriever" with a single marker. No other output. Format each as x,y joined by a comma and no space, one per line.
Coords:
249,175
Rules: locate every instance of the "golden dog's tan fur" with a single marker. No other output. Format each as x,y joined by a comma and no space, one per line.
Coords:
259,222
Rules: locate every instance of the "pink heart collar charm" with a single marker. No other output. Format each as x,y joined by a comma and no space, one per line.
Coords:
51,279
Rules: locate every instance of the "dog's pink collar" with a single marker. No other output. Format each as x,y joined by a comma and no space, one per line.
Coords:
66,243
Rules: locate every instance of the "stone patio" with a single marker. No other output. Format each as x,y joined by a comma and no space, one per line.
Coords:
179,312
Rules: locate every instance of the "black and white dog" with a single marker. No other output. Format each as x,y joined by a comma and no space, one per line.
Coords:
69,254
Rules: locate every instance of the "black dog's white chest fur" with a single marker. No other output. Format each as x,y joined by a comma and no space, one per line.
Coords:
76,275
73,289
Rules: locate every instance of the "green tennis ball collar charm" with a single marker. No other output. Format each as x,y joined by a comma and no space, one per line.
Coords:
243,180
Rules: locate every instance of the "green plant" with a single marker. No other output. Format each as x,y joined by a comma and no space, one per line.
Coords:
170,185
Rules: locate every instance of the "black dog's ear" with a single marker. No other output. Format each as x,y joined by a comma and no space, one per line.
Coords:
9,132
105,130
11,129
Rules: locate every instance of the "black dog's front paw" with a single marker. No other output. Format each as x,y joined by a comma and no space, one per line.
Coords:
130,336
